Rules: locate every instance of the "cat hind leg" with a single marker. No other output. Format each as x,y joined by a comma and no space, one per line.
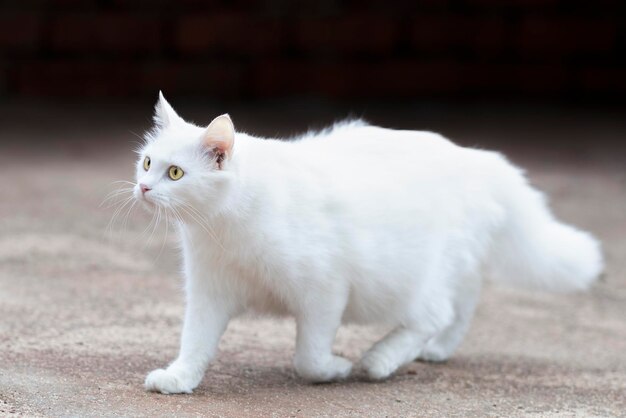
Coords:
404,344
443,345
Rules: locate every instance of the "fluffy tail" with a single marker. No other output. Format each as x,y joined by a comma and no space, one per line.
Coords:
534,250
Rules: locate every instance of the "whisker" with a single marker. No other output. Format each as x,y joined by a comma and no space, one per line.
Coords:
114,194
147,228
121,206
121,189
158,220
124,181
165,237
128,212
202,217
124,209
203,225
138,136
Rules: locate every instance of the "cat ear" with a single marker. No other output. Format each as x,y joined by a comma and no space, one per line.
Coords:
220,136
164,113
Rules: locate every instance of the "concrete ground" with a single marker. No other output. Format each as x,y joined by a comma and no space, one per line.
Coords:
84,314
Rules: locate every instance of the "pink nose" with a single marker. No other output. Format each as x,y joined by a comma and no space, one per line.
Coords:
144,188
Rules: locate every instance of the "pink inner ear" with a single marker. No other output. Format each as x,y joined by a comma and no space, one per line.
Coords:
220,145
220,135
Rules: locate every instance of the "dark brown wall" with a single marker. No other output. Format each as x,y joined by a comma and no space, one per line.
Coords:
563,49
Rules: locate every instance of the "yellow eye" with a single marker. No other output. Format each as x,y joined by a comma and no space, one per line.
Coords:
175,172
146,163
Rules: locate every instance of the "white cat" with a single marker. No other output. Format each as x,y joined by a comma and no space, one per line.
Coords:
356,223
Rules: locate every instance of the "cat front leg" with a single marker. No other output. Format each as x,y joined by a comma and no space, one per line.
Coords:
316,329
206,318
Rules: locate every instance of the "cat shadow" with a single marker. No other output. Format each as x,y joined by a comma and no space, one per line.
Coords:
460,372
232,379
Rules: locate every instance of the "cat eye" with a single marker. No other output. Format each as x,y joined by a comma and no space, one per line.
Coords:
175,172
146,163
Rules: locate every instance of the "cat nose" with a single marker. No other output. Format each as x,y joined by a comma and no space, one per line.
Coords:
144,188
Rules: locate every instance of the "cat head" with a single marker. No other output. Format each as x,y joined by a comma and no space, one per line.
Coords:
182,167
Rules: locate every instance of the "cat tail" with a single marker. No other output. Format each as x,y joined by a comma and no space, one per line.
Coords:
534,250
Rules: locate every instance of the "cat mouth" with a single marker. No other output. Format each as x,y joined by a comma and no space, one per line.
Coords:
151,201
148,200
144,198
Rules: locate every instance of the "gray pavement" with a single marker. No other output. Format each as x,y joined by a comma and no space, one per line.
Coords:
85,314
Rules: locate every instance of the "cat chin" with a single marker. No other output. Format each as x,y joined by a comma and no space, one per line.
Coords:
146,204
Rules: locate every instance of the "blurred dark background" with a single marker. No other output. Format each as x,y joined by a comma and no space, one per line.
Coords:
563,51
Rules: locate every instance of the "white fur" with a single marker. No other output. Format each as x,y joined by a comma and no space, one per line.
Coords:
357,223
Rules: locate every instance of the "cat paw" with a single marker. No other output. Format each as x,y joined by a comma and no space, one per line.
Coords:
167,382
433,355
335,368
377,366
436,352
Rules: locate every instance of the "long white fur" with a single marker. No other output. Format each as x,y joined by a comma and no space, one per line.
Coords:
357,223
